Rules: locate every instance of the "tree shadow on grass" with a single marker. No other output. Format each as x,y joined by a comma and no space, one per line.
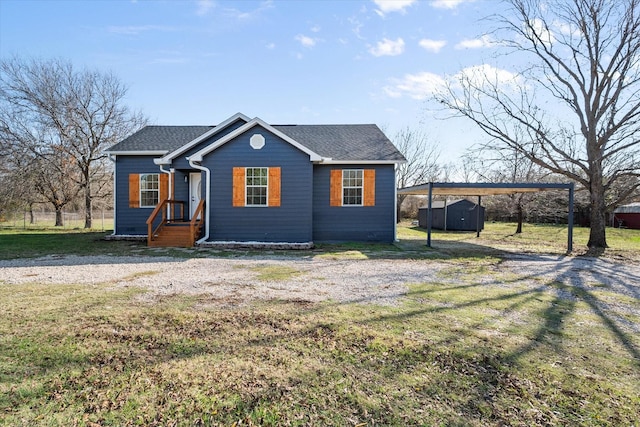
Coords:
350,365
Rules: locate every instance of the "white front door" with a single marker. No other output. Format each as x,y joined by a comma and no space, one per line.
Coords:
195,192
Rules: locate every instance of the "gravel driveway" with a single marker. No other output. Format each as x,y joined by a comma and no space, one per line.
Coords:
236,280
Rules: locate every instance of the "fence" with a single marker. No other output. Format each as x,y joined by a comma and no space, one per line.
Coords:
101,220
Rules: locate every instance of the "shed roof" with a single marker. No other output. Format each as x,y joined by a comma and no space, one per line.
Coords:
439,204
630,208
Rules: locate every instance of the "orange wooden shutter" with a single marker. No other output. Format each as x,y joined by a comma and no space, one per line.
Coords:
274,187
134,190
335,198
238,187
164,187
369,190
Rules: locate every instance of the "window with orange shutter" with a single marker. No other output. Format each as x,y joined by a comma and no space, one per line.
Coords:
256,187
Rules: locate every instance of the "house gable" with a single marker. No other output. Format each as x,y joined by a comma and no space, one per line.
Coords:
286,213
233,121
198,156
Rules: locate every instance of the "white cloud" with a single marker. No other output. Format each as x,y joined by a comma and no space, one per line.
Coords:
417,86
388,47
432,45
204,6
270,46
306,41
250,15
482,42
315,29
422,85
448,4
539,28
478,75
133,30
386,6
357,26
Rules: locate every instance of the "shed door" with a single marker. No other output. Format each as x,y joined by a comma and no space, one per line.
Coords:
195,192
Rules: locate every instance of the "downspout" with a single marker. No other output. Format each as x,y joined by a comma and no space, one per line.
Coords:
168,172
207,174
113,159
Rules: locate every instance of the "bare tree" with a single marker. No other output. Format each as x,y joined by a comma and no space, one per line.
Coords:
37,164
510,166
422,157
82,110
574,108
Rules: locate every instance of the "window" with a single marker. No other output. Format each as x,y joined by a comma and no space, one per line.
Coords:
149,190
256,187
257,184
352,187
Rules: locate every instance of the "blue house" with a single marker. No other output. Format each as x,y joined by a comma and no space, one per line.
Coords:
248,182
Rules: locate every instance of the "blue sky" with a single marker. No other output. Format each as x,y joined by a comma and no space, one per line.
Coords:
307,62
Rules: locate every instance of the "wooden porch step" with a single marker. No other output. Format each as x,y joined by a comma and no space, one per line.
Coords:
175,234
172,235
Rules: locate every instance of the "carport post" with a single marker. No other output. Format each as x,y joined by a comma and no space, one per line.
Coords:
478,217
429,215
570,220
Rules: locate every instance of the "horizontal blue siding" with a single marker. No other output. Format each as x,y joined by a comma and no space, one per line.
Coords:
290,222
131,221
354,223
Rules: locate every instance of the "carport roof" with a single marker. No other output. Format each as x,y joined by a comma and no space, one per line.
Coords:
487,189
480,188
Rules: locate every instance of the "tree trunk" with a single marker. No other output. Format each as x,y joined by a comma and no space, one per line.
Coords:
520,217
32,219
399,201
59,221
88,217
597,233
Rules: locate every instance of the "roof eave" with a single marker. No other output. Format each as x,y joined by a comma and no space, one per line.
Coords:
138,153
328,161
175,153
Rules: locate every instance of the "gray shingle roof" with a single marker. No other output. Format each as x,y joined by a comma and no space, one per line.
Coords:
344,142
160,138
338,142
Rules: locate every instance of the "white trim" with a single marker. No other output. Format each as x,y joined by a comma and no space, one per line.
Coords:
197,157
115,210
168,172
329,161
395,204
246,187
138,153
361,187
207,205
167,159
141,206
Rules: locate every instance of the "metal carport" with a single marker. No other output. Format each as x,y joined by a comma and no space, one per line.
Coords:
487,189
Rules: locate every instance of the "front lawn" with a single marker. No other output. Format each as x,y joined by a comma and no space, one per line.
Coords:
474,347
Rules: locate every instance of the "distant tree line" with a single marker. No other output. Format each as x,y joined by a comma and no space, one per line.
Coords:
55,124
